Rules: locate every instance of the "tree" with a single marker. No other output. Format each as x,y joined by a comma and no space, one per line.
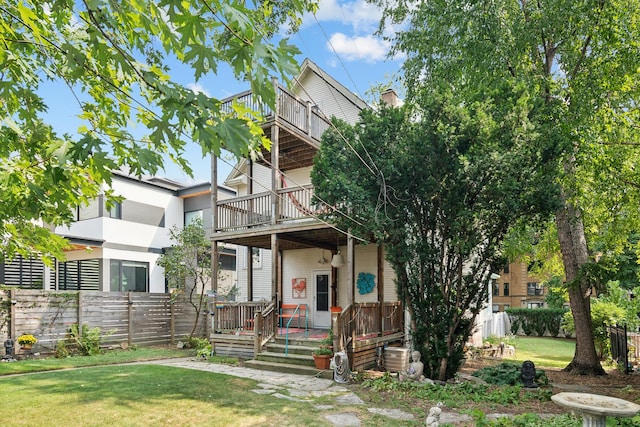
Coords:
577,61
432,191
115,58
187,265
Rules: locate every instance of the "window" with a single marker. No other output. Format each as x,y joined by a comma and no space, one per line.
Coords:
496,290
26,273
92,210
505,307
129,276
189,217
506,268
535,304
506,289
79,275
495,308
534,289
115,211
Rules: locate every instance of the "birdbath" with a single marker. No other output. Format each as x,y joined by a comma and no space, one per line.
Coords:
595,408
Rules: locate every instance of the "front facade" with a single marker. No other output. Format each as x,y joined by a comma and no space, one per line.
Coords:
287,256
517,288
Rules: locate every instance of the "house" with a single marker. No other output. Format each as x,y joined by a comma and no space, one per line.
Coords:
517,288
291,264
116,248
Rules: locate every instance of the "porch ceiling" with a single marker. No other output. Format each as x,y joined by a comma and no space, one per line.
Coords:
321,238
296,150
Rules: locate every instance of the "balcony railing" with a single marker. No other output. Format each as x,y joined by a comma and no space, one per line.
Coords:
294,203
296,112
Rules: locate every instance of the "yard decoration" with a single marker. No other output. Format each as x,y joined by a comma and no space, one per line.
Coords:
366,283
26,341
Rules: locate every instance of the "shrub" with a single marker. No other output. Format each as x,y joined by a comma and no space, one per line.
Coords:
86,343
536,320
507,373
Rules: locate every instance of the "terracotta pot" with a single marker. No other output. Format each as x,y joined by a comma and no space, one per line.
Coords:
336,309
26,346
322,361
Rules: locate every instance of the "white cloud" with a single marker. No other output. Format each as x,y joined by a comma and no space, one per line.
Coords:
198,88
367,48
361,16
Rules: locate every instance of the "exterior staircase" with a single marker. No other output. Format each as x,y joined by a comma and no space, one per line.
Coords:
297,360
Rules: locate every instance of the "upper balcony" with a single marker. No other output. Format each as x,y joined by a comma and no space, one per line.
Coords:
295,128
300,126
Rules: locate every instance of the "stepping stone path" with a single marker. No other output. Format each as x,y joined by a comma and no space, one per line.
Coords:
298,388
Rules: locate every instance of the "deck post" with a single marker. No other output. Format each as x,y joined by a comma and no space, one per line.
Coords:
214,243
381,288
257,331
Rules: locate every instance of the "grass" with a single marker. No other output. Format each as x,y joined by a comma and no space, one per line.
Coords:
544,352
144,395
109,358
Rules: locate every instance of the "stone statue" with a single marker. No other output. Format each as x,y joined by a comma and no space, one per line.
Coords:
529,374
416,368
433,419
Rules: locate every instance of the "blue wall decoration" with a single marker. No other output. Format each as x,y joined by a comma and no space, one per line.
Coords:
366,283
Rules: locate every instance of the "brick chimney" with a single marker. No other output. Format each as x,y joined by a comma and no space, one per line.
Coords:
390,97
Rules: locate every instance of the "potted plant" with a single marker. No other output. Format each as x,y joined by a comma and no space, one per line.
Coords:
322,356
26,341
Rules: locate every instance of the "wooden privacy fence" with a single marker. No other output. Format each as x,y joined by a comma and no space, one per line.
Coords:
133,318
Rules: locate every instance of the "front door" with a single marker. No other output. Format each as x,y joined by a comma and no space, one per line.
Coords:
322,299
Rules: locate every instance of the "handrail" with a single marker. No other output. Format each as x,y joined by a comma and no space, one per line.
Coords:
306,323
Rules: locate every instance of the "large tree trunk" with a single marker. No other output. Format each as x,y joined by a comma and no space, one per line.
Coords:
574,255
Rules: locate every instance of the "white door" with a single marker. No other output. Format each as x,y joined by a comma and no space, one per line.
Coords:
322,299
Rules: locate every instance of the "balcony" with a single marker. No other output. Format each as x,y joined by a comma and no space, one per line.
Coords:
241,213
300,126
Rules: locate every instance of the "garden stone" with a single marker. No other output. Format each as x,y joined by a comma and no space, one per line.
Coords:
344,419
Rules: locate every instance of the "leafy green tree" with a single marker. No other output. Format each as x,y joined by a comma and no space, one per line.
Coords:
187,265
578,61
114,58
428,183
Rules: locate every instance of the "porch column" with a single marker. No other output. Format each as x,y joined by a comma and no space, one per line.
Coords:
249,273
381,287
214,243
351,267
276,280
275,161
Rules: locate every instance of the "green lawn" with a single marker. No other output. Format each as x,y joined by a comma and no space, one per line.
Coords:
144,395
544,352
109,358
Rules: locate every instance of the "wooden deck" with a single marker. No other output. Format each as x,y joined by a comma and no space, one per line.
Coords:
356,329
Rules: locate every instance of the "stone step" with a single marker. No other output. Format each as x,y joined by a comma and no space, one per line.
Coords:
314,342
292,359
291,349
289,368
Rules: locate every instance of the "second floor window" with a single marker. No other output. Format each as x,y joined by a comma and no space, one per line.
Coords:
534,289
506,289
496,289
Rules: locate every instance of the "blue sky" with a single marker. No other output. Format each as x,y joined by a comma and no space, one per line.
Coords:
339,38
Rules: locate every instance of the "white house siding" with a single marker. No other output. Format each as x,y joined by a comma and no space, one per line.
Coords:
329,100
261,275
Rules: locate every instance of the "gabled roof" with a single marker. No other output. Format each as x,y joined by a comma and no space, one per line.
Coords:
308,66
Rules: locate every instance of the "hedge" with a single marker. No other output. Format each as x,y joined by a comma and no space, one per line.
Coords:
536,320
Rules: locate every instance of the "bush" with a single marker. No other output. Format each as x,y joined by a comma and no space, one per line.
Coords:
536,320
86,343
507,373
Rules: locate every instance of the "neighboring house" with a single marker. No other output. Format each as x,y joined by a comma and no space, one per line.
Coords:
116,249
516,288
285,252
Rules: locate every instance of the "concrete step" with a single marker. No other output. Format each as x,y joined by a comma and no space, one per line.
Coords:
292,359
289,368
291,349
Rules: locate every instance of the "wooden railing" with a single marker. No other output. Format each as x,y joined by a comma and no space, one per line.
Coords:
255,210
235,316
296,112
265,326
362,320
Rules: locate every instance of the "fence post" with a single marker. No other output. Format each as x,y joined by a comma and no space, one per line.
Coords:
172,320
12,314
79,316
257,331
129,319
